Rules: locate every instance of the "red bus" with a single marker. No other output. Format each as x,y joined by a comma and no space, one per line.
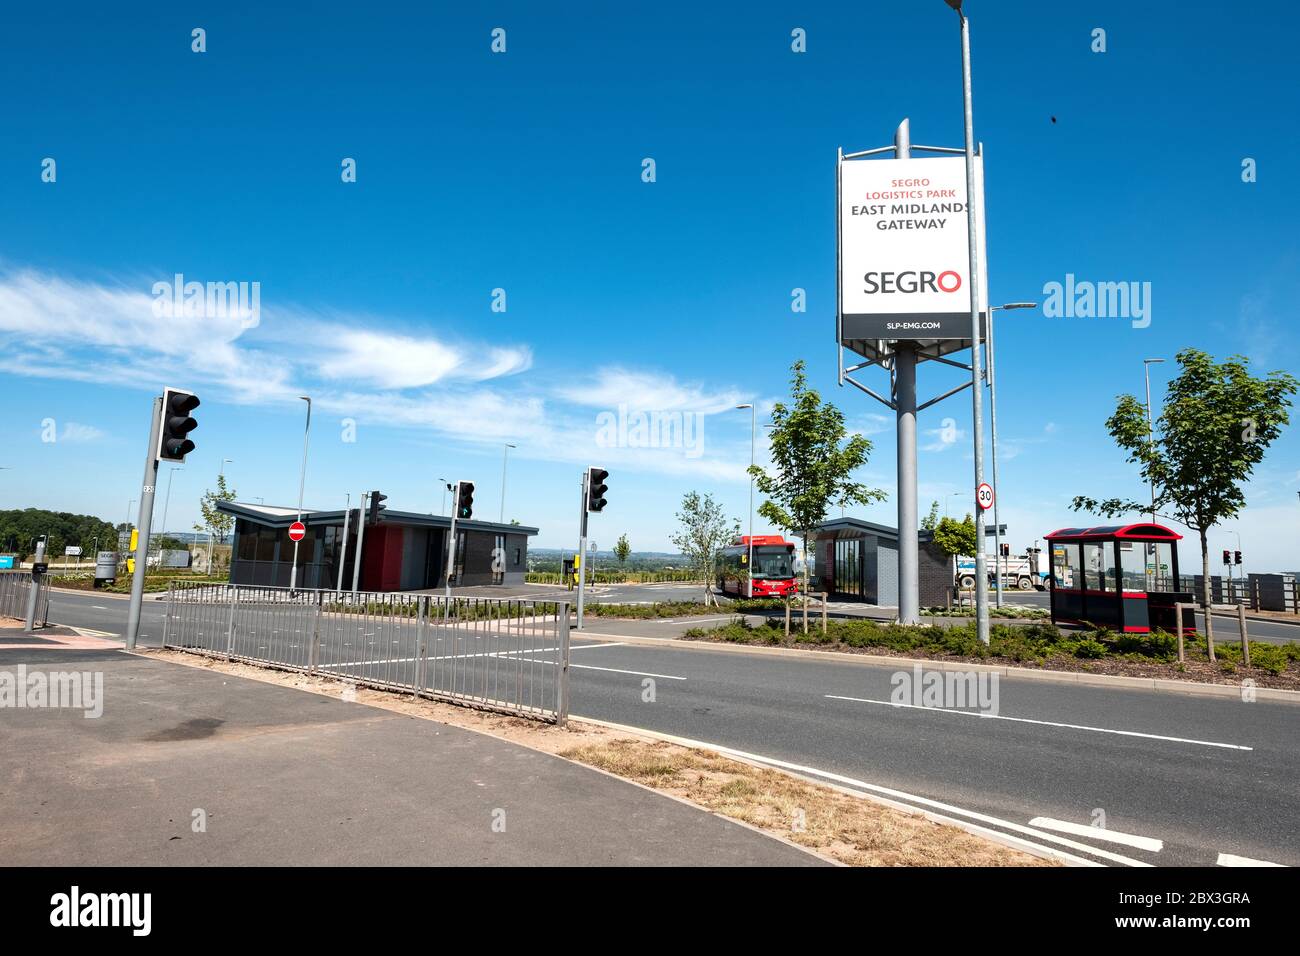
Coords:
773,571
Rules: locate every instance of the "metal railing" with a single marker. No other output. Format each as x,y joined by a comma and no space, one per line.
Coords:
498,654
15,592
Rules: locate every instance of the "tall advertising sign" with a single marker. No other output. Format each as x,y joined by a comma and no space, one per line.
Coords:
904,252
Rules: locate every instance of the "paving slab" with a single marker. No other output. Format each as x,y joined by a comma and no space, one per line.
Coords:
278,776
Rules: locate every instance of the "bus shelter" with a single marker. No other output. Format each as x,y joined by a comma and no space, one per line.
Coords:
1123,577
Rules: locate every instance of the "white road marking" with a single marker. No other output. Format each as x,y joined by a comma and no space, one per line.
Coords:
99,607
902,797
615,670
1098,833
1227,859
1044,723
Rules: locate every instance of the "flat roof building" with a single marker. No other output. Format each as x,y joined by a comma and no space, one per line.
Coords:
858,560
402,551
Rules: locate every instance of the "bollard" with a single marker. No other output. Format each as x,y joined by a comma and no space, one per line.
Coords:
787,617
1245,640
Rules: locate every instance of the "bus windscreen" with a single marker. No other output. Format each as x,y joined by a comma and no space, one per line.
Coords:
772,563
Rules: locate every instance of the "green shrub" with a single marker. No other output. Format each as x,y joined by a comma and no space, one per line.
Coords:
1089,649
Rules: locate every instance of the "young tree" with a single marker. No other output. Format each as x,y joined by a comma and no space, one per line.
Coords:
622,549
1217,423
813,464
931,521
218,523
704,532
956,539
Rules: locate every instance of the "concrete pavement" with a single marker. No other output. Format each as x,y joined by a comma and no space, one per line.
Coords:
283,777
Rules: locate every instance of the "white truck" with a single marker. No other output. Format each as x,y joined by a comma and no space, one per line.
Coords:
1025,572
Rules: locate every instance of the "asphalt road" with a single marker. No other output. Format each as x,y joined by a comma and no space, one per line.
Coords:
1199,776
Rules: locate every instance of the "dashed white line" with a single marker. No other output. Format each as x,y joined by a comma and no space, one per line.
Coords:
1098,833
1228,859
1044,723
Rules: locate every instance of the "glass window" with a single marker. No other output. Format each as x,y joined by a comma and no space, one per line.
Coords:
1133,567
1066,569
772,563
265,544
848,579
1109,567
247,535
1092,567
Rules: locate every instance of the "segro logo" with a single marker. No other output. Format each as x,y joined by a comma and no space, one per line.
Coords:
909,282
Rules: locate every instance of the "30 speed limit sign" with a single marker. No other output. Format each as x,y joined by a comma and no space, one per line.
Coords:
984,496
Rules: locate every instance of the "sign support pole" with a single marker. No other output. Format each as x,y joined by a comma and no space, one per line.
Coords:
977,390
143,524
361,537
909,584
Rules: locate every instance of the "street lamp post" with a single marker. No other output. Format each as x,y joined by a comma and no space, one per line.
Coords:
1151,435
302,481
977,390
749,560
445,488
505,451
991,375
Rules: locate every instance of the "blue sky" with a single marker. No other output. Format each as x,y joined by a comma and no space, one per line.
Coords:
522,171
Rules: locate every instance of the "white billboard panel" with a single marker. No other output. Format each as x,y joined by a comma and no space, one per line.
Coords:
904,251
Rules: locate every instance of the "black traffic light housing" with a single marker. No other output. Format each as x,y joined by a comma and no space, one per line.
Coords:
596,488
173,445
376,505
1236,557
464,500
1006,550
1227,557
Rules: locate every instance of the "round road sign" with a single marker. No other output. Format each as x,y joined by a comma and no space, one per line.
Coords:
297,531
984,496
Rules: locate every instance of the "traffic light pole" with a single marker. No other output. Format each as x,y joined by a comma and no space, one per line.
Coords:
582,544
143,523
451,541
361,535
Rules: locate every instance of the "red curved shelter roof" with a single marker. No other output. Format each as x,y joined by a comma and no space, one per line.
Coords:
1141,531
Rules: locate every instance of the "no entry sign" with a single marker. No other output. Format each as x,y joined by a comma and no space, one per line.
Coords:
297,531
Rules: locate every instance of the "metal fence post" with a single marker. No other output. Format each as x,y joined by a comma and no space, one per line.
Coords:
314,650
230,627
422,647
167,615
562,697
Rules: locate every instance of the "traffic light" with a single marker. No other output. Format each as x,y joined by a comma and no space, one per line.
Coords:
1227,557
1236,557
376,505
176,424
596,488
464,500
1006,551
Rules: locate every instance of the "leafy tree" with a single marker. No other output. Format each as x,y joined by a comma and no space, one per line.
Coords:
622,549
19,530
1217,423
813,464
216,523
704,532
956,539
931,521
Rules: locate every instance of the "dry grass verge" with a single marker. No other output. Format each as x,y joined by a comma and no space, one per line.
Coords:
839,826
